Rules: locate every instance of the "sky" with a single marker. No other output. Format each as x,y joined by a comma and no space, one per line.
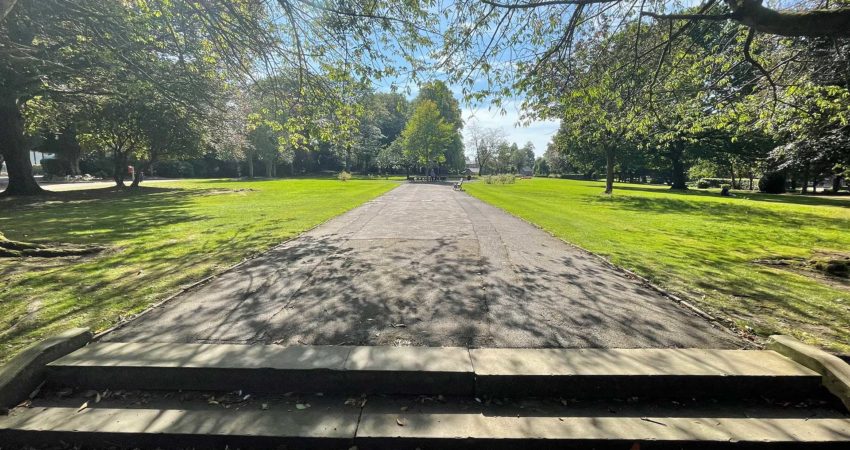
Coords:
539,133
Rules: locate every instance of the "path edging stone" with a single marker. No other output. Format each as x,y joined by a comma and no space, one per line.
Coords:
23,374
834,371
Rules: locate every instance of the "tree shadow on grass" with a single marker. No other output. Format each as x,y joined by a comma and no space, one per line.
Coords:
134,224
726,211
100,215
794,199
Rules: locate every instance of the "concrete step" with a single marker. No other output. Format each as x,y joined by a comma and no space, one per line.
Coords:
625,373
267,368
170,420
569,373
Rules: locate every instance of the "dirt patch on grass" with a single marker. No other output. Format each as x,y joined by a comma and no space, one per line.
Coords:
228,191
830,268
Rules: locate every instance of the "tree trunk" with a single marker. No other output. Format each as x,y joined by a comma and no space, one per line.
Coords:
677,177
14,150
250,166
119,169
74,162
732,173
138,174
836,184
609,170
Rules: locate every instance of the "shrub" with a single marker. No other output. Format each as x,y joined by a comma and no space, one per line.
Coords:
703,184
772,183
54,167
344,176
175,169
99,167
505,178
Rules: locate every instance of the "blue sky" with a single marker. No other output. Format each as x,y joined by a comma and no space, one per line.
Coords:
539,132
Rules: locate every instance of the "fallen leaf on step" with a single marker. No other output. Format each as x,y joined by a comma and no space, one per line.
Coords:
350,402
401,422
404,408
645,419
97,398
264,406
302,405
83,406
37,390
398,325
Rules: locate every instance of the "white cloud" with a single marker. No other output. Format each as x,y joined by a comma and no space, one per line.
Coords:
538,132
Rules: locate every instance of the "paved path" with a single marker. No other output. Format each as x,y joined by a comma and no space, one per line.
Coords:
424,265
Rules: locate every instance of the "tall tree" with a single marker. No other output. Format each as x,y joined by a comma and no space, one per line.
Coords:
427,135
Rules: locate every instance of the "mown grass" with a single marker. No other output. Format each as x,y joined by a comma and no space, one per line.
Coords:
703,247
161,237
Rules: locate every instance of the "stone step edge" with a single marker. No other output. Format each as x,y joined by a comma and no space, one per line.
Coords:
834,371
137,426
432,370
481,362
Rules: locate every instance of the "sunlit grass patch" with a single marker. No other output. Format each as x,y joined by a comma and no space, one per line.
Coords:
705,247
158,239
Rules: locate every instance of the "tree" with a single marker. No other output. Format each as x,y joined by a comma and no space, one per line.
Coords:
541,167
483,144
556,159
447,105
523,158
449,110
390,111
68,50
427,135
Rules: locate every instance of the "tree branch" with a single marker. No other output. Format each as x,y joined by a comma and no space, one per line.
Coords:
544,3
717,17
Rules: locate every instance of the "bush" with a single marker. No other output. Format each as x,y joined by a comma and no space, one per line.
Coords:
98,167
772,183
703,184
174,169
500,179
53,167
344,176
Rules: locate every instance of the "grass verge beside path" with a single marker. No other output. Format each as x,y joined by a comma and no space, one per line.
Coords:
704,247
160,238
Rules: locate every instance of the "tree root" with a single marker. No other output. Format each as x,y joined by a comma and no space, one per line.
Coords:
18,249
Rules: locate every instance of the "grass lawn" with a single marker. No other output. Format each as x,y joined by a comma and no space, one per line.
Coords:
161,237
703,247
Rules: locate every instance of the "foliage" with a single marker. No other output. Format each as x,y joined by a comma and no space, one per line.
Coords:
541,167
54,167
174,169
343,176
504,178
772,183
427,136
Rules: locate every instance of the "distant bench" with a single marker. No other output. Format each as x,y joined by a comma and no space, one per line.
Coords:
425,178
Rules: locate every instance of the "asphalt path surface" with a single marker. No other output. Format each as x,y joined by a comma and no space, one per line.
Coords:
426,265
